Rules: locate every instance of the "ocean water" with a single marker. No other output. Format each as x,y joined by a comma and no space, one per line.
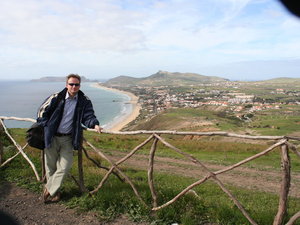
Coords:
23,98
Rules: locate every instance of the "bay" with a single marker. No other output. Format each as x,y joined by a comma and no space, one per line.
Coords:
23,98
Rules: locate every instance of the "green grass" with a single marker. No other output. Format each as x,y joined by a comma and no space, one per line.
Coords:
282,121
274,122
211,149
169,119
211,205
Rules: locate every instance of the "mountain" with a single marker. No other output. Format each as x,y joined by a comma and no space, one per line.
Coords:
164,78
59,79
122,81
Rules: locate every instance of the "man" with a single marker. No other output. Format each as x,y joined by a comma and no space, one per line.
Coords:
62,116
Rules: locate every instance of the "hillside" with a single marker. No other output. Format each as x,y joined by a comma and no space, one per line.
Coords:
122,81
217,118
282,80
207,118
164,78
254,184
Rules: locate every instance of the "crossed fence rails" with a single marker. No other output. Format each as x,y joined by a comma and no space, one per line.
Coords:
283,142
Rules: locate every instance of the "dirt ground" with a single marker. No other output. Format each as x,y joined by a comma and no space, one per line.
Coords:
27,208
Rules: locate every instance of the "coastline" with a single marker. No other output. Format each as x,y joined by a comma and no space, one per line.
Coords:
128,117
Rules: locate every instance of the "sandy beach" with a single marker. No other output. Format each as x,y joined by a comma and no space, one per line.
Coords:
124,120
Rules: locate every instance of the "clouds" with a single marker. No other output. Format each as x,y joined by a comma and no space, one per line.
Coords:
111,37
68,25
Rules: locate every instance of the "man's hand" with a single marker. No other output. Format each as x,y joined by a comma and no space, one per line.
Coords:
98,129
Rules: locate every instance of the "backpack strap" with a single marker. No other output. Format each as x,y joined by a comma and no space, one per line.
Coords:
59,95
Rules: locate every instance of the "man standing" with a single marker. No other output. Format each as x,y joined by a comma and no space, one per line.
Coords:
62,116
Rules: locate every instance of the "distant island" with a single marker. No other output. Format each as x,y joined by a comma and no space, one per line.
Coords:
59,79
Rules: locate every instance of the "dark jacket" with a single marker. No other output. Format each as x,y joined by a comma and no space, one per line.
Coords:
51,111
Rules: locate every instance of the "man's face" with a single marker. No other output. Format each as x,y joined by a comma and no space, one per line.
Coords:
73,86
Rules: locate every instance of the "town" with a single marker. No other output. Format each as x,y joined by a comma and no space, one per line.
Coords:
240,98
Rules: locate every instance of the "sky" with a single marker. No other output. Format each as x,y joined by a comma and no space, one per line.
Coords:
102,39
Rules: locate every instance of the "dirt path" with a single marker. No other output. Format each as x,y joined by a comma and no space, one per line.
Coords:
28,209
244,177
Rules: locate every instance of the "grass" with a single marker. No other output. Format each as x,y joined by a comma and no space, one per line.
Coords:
211,205
211,149
274,122
282,121
169,119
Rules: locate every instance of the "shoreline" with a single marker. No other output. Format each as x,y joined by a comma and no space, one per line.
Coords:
128,117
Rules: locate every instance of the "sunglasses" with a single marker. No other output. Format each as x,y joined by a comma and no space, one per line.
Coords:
74,84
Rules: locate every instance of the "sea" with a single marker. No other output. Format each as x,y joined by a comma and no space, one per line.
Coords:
23,99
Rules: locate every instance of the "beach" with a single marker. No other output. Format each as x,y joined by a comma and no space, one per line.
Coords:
128,117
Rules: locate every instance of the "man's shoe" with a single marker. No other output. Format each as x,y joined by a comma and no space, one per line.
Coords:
56,197
46,195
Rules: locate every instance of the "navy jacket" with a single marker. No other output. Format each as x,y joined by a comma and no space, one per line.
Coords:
51,111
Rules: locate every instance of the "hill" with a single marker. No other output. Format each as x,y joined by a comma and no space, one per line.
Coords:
122,81
282,80
164,78
204,119
284,121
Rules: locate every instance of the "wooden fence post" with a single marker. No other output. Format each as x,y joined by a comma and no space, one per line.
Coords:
150,173
285,185
1,145
43,166
80,172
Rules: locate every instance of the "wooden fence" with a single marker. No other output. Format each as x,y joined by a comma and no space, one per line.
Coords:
283,142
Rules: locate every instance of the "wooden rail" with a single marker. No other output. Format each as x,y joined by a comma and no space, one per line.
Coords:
155,137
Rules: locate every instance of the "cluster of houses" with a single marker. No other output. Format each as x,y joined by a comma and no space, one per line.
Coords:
158,99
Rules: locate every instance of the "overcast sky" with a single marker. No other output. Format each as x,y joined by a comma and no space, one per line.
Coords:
101,39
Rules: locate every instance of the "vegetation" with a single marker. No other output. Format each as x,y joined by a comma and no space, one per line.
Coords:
210,205
212,118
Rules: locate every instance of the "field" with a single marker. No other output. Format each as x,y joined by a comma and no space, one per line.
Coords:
255,184
283,121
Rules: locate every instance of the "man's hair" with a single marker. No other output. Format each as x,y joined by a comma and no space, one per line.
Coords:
73,76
